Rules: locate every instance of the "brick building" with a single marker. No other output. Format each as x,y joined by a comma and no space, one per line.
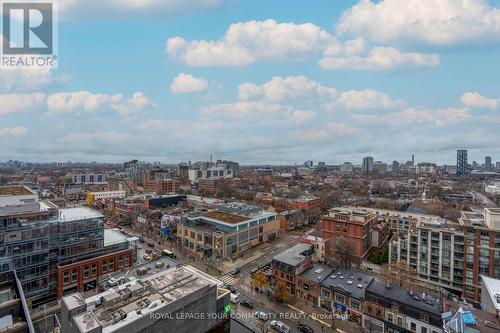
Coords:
292,262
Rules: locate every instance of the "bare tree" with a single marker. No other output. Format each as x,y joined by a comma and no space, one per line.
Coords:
343,251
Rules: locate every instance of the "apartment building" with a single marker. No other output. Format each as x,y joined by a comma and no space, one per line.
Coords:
159,182
42,242
227,231
452,255
89,178
288,265
356,225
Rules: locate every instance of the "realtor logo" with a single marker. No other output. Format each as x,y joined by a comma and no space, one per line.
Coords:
29,34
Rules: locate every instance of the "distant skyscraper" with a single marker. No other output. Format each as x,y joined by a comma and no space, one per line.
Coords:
395,167
498,166
487,163
461,162
368,164
412,160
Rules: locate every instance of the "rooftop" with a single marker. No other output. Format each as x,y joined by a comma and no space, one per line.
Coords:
15,190
492,287
317,273
402,295
118,307
112,237
225,217
77,213
351,283
294,255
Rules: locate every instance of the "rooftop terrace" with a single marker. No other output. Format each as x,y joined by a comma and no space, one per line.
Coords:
225,217
15,190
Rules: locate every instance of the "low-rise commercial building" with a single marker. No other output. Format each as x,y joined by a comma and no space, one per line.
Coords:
290,263
227,231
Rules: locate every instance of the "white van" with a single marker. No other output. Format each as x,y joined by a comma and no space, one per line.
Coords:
234,298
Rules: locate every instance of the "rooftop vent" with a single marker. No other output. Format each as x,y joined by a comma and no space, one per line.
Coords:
349,282
360,286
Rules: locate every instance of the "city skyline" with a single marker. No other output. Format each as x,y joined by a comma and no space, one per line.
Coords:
169,81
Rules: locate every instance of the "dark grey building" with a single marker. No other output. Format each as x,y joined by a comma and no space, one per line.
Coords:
462,166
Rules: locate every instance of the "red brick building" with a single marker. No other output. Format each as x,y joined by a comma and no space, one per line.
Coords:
312,204
352,224
159,183
83,275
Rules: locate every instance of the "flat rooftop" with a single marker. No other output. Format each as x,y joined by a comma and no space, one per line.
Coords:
15,190
77,213
132,301
225,217
293,256
113,237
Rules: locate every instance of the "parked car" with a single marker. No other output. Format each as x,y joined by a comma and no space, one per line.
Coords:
148,251
141,239
247,303
145,256
234,298
151,244
261,315
305,328
232,289
235,271
279,326
159,264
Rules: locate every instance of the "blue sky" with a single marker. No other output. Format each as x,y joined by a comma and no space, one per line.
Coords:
261,82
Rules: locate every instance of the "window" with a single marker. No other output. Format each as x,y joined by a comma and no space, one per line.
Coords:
74,275
339,298
390,317
66,278
400,321
104,266
86,271
423,329
424,317
111,264
93,270
355,305
413,327
125,261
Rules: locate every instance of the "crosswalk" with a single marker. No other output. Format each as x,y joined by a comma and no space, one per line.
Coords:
228,279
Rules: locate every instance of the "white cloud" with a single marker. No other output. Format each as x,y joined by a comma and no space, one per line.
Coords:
300,116
67,102
13,103
248,42
105,9
342,129
13,131
364,100
240,110
107,137
187,83
378,58
134,104
439,22
282,88
30,79
476,100
412,116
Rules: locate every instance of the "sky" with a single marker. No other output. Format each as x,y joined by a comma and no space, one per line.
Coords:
261,82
